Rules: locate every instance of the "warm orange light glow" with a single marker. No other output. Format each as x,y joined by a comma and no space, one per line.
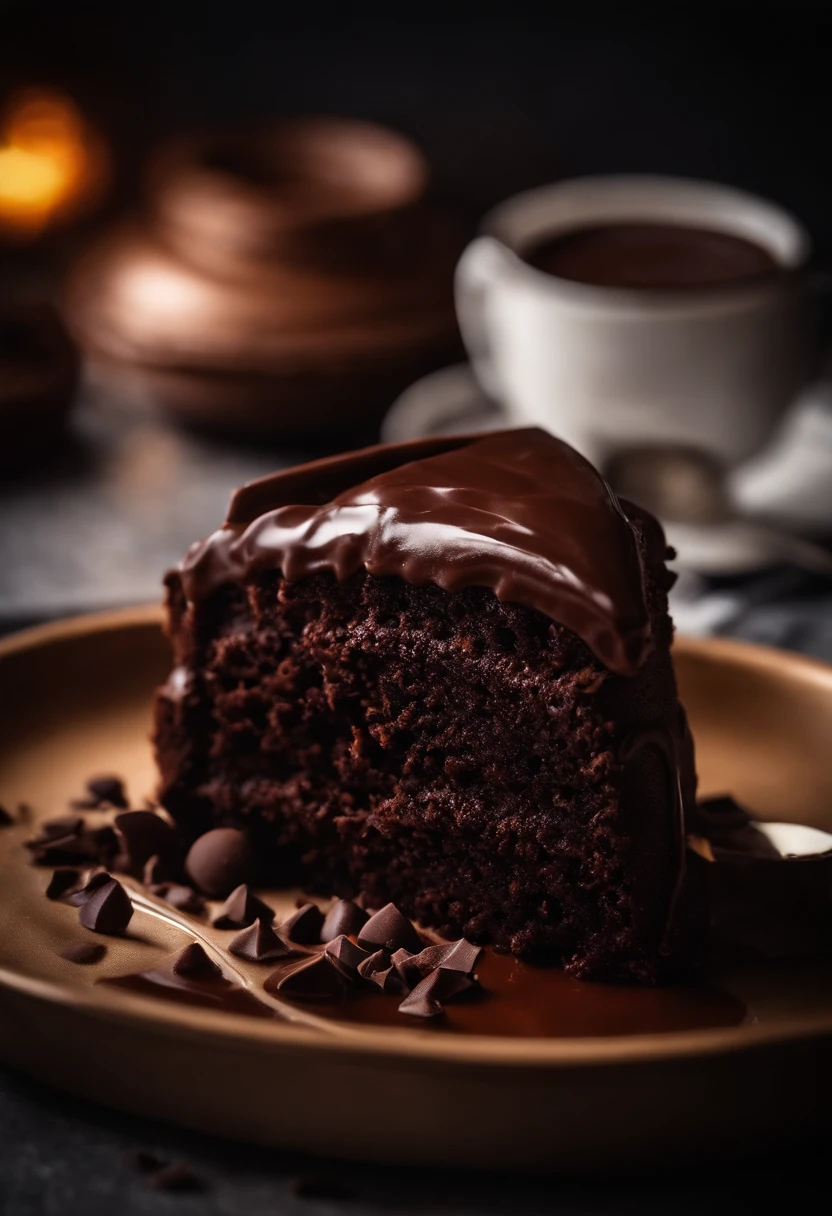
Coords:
52,164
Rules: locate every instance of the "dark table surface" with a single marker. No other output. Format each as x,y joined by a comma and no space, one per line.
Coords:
63,1157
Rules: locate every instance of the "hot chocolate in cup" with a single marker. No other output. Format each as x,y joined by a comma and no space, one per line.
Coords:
630,312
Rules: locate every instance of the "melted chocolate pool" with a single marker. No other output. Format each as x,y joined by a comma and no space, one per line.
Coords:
525,1001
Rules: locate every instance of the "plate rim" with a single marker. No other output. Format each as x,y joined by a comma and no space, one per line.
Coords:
495,1051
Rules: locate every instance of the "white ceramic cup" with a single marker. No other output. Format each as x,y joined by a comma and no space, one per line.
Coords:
610,369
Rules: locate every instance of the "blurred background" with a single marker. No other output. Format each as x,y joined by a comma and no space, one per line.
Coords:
203,335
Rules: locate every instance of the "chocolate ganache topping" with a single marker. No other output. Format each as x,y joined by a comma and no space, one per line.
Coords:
516,511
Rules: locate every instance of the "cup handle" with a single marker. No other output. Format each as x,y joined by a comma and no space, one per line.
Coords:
478,270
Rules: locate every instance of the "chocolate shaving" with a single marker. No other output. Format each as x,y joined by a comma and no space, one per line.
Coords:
193,963
304,926
108,910
408,975
346,957
389,930
345,916
426,999
377,969
315,981
453,956
85,954
242,908
259,943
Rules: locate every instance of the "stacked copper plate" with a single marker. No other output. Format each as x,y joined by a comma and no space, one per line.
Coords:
287,282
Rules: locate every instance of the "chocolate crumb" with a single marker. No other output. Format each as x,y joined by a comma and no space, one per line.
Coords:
242,908
84,954
389,930
108,910
176,1177
318,1186
304,926
193,963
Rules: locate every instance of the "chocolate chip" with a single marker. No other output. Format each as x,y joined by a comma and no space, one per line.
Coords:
345,916
389,930
183,898
317,1186
108,910
6,818
219,861
377,969
242,908
425,1001
304,926
194,964
453,956
176,1177
92,882
346,957
62,880
315,981
259,943
103,791
85,954
142,835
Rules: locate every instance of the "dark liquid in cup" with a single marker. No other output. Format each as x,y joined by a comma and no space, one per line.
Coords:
650,257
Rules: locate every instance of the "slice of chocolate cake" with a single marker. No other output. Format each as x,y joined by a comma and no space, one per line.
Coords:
438,673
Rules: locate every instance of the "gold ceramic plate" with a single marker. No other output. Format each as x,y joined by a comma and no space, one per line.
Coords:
74,699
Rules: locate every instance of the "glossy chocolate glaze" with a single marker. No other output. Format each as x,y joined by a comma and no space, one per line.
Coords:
518,512
518,999
649,256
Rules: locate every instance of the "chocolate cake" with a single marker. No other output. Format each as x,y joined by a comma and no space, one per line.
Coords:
438,674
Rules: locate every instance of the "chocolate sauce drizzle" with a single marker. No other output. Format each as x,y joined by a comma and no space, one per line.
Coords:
518,512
